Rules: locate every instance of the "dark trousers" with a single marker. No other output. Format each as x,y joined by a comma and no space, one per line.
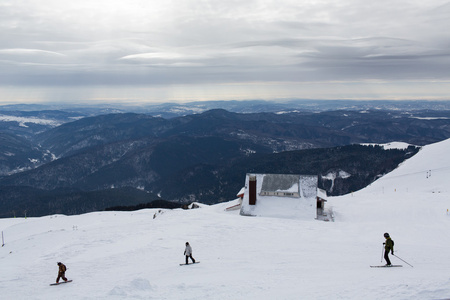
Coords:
193,260
61,275
386,257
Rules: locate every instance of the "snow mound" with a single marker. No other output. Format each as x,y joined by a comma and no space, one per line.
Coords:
392,145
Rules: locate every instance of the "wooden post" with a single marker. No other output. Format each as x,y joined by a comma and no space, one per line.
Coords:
3,240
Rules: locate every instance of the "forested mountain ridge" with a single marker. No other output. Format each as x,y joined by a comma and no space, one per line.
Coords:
204,157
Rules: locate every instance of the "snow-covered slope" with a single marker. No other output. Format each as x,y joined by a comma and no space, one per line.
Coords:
119,255
24,120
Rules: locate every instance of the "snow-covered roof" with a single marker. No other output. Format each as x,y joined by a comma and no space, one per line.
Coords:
241,192
280,183
322,194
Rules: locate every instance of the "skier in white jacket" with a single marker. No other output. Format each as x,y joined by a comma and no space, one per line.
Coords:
188,253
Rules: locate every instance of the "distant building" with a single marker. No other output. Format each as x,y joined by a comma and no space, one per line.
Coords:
282,195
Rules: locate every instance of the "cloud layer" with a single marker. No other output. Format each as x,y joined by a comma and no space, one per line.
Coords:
194,43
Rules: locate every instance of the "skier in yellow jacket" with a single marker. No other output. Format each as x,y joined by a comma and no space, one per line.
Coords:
388,246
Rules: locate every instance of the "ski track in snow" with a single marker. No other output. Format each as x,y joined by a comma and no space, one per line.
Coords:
130,255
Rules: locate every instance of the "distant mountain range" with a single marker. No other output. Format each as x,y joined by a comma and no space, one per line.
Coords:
197,157
62,110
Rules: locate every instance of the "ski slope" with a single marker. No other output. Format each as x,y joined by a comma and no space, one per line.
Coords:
136,255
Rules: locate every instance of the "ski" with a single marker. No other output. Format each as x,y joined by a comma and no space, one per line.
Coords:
61,282
391,266
197,262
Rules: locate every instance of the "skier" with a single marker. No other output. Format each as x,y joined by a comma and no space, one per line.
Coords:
188,253
388,246
61,272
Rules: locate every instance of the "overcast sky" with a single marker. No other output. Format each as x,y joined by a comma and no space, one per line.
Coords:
182,50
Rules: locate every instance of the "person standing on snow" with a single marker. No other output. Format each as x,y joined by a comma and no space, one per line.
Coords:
61,272
388,246
188,253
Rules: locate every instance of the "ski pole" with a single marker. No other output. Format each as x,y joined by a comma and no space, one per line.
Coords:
403,260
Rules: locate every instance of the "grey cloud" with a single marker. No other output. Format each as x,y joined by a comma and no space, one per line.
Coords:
190,41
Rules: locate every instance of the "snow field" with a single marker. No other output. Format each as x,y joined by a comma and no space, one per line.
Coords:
131,255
